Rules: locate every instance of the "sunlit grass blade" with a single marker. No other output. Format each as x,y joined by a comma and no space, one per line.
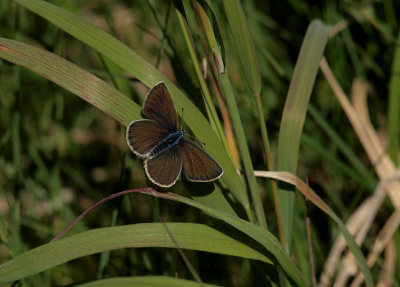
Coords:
188,236
127,59
294,114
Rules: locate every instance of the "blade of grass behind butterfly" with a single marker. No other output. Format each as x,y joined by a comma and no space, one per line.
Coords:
294,114
217,65
127,59
209,105
179,9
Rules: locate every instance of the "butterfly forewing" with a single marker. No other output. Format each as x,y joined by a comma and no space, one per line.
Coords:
198,165
165,168
159,107
143,135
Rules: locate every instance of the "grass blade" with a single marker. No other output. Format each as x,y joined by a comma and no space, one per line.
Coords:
244,44
294,114
188,236
317,201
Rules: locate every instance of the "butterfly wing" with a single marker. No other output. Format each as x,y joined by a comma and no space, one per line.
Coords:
159,107
198,165
143,135
165,168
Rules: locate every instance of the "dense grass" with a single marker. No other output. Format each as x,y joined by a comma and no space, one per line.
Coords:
268,103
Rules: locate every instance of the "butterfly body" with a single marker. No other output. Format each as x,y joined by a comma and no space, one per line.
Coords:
162,144
169,142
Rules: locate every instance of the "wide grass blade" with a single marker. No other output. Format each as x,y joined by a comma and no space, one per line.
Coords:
294,114
257,233
187,235
72,78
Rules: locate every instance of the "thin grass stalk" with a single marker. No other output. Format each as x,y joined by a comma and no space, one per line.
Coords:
217,64
244,151
212,113
207,97
270,167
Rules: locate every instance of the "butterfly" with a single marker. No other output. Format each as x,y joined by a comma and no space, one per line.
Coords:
160,142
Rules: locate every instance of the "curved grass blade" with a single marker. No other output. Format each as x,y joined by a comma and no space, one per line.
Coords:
294,114
188,236
127,59
72,78
259,234
317,201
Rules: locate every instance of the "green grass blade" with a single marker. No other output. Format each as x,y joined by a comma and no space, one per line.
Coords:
244,44
188,236
259,234
294,114
72,78
244,151
196,65
127,59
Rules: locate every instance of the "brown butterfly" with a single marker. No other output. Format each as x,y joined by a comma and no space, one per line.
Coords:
161,143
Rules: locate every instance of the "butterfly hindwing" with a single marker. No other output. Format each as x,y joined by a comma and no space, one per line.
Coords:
143,135
198,165
165,168
159,107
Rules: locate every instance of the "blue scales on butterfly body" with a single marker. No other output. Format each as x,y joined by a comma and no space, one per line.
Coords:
170,141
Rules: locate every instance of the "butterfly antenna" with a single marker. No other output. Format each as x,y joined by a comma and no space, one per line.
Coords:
195,139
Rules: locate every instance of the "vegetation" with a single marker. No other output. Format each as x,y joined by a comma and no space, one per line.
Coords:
299,103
